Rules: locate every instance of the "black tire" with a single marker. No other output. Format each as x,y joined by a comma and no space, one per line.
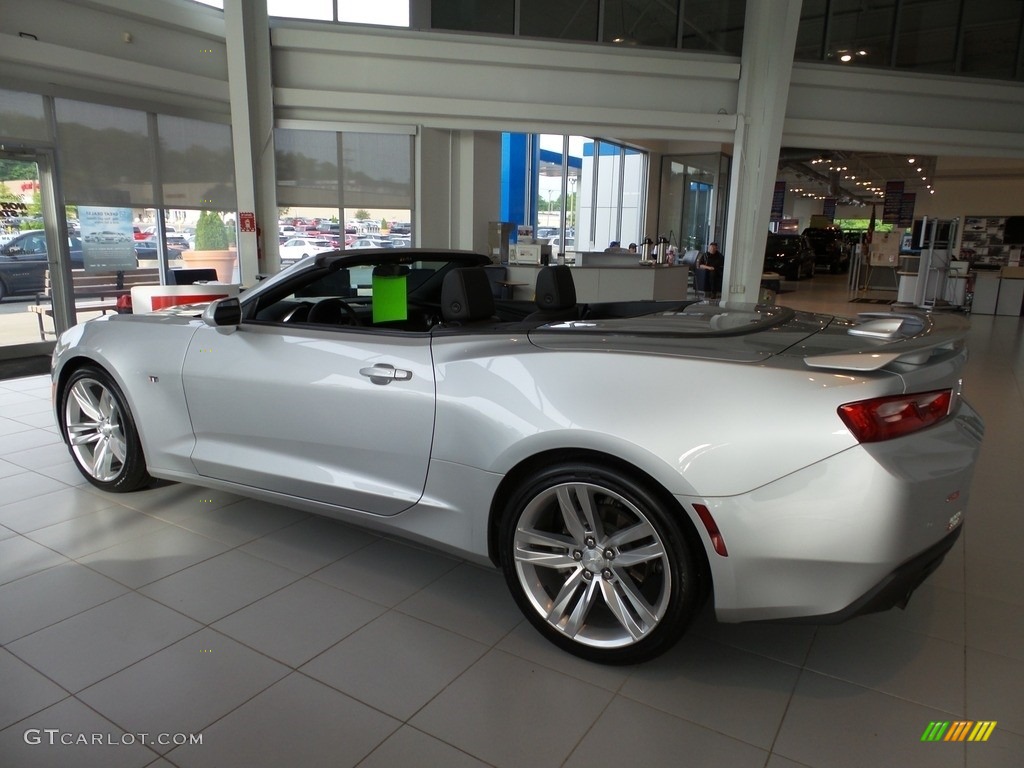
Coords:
582,583
100,432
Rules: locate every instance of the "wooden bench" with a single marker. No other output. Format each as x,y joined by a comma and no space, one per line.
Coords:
93,291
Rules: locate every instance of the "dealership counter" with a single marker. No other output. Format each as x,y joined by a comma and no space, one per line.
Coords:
598,278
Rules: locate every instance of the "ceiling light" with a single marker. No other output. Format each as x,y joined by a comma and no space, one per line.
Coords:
911,160
846,57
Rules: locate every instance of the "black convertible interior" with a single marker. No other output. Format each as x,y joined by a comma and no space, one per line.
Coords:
446,296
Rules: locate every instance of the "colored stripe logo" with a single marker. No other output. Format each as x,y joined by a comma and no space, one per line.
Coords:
959,730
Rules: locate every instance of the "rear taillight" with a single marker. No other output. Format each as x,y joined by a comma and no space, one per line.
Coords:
884,418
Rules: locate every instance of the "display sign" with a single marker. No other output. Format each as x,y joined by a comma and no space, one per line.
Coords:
107,239
907,209
893,202
828,208
778,200
246,221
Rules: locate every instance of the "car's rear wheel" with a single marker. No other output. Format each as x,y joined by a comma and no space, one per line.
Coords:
600,564
100,432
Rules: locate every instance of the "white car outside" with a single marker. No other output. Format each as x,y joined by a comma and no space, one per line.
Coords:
299,247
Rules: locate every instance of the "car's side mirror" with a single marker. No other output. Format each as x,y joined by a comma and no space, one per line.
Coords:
223,312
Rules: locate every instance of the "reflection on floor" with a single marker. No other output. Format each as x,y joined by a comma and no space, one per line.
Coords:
287,639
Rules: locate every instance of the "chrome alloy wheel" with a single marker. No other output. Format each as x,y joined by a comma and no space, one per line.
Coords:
592,565
93,423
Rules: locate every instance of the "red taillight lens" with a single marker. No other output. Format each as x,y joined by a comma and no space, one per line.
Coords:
884,418
124,305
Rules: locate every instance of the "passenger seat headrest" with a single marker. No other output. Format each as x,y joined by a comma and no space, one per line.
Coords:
555,288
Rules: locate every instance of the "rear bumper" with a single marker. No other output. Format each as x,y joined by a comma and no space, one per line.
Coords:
854,533
894,590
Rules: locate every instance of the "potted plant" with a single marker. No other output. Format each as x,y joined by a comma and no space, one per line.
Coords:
211,248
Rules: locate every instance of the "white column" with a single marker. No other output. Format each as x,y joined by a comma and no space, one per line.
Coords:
769,40
459,177
247,34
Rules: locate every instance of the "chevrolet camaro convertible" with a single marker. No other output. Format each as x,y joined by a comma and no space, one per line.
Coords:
620,462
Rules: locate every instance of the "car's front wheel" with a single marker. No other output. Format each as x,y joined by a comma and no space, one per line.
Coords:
101,433
600,564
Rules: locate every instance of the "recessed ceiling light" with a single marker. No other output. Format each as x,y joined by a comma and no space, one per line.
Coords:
846,57
911,160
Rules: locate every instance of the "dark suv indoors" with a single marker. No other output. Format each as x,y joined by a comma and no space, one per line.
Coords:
829,250
789,255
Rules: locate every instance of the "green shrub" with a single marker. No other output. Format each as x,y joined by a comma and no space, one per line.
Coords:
211,234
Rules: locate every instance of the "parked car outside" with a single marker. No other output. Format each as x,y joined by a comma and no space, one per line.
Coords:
789,255
23,263
300,247
147,249
557,245
830,251
509,433
370,242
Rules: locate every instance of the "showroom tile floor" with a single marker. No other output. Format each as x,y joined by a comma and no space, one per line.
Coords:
285,639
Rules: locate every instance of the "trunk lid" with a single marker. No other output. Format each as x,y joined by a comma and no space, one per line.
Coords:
873,341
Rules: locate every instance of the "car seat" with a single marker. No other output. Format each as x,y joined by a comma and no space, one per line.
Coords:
466,297
555,295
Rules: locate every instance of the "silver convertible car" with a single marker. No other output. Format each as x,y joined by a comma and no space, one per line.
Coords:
620,462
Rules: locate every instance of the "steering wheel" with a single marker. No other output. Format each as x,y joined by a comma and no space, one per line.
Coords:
297,314
331,312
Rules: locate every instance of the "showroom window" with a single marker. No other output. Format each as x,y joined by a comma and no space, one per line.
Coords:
197,167
392,13
943,36
586,192
106,154
707,25
361,183
107,159
22,116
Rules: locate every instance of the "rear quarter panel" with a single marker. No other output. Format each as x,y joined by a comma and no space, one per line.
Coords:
699,426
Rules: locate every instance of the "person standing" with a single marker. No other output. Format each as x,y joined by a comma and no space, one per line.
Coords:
710,269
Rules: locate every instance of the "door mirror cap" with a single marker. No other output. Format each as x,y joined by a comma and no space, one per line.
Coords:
222,312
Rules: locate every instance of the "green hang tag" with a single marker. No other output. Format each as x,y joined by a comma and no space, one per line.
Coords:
389,298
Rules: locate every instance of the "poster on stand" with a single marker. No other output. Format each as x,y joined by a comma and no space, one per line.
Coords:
107,241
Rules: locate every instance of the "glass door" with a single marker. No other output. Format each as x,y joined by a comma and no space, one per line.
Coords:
23,252
692,200
36,240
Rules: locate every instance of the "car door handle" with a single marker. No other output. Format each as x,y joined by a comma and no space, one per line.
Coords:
382,373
